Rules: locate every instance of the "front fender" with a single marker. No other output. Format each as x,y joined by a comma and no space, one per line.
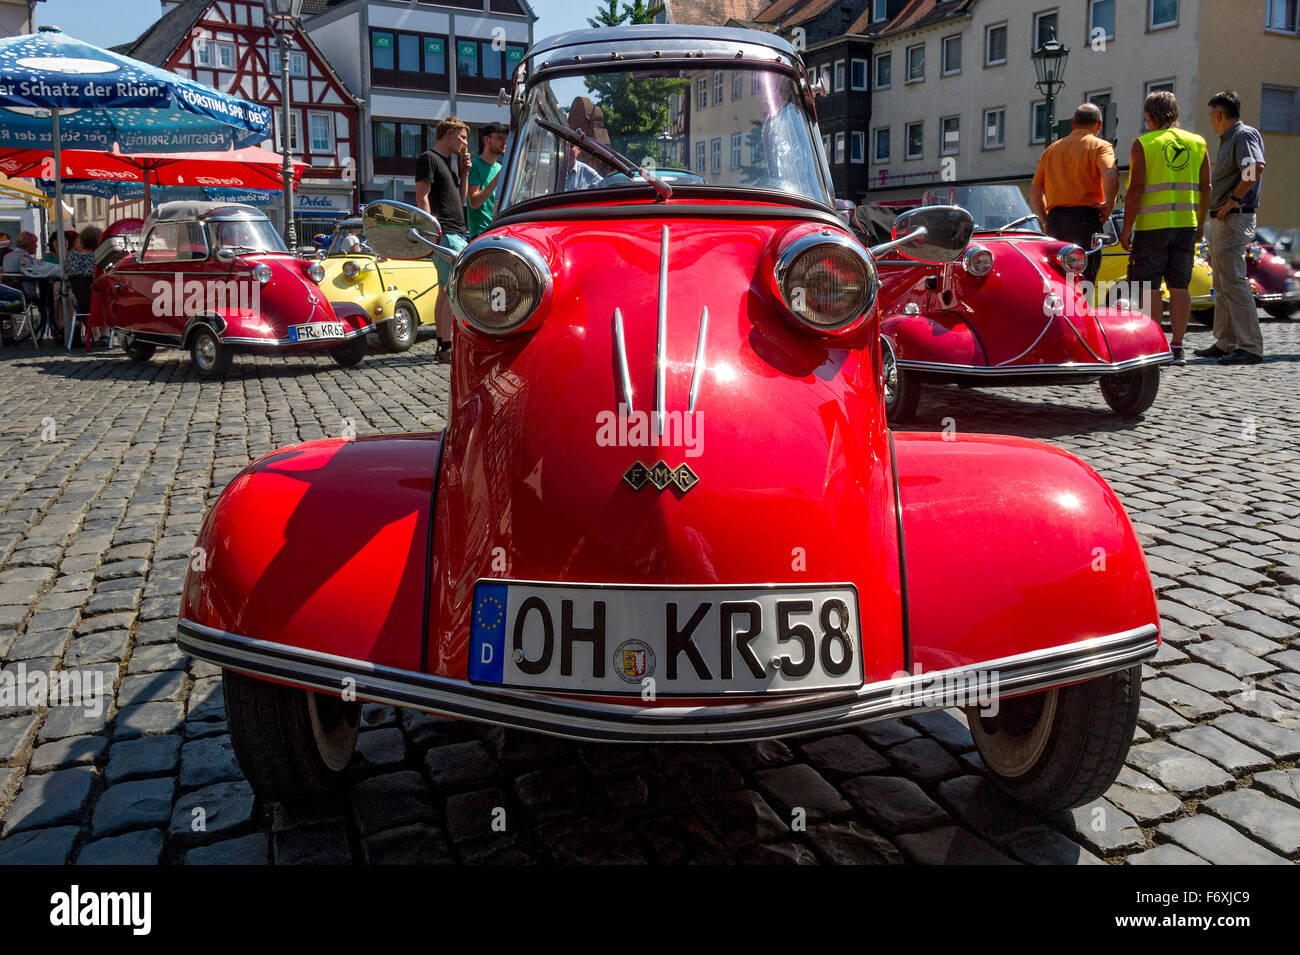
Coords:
1012,546
939,337
322,546
1130,334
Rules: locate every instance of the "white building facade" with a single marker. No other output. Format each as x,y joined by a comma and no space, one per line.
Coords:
955,99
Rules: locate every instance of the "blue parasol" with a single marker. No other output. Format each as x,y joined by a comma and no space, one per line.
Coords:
57,92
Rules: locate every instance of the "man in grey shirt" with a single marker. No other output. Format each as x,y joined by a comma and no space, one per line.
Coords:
1233,199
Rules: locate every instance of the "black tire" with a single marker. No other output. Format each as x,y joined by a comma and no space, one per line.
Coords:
1060,748
1279,311
292,744
139,352
208,356
350,352
902,390
398,333
1204,316
1131,392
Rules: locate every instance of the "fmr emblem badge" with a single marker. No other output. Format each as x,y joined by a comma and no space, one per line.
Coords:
638,475
634,661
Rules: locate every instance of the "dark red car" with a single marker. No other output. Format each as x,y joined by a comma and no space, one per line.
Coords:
216,279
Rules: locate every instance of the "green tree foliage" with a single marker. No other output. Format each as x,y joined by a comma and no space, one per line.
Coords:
636,111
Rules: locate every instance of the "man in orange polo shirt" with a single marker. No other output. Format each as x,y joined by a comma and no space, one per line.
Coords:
1075,184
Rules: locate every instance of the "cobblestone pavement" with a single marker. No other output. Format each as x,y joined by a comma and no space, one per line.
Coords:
106,468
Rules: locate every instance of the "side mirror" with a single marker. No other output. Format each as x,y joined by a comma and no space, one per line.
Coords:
931,234
225,255
396,230
1102,240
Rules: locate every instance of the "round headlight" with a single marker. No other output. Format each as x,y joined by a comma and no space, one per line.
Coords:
351,269
316,272
1254,253
826,279
262,272
977,261
1072,259
498,283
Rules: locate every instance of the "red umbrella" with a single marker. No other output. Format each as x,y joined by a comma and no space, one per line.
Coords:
249,168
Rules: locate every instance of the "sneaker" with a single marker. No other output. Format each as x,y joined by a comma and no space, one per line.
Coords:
1178,355
1214,351
1241,357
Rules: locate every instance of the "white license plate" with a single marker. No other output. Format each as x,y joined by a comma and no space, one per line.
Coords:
675,641
315,331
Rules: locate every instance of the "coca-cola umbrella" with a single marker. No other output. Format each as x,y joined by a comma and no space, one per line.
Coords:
58,92
250,167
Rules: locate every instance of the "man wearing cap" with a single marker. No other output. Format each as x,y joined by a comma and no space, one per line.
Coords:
480,203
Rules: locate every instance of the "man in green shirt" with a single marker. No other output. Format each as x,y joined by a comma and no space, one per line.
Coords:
483,172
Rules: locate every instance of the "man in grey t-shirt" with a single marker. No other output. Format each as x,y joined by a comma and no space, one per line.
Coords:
1234,197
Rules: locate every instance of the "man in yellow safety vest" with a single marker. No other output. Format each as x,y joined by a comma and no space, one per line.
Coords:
1165,210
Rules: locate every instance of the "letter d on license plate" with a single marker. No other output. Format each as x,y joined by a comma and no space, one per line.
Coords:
690,641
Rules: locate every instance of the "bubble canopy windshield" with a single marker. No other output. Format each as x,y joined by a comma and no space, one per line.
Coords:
703,131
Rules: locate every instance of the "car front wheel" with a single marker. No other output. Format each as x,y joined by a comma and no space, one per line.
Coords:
350,352
1063,747
139,351
211,359
1131,392
1279,311
902,390
292,744
398,333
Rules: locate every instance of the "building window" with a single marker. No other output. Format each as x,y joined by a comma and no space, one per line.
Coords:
322,133
858,74
756,82
839,149
435,56
950,136
1044,28
826,145
1100,98
858,148
701,159
735,150
466,58
1161,14
1101,16
715,155
297,63
826,77
951,55
883,70
1282,16
916,63
203,52
1279,109
914,134
1154,85
295,145
383,55
880,145
879,10
1038,122
756,151
701,93
995,45
717,87
995,128
385,140
226,55
737,85
839,76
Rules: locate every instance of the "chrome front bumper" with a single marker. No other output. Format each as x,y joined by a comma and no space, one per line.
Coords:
580,719
1077,368
1278,298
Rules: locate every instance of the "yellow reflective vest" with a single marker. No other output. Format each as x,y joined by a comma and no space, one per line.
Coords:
1173,179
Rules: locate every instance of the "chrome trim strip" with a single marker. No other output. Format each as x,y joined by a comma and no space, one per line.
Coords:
581,719
696,374
1278,297
1106,368
621,345
285,342
1082,340
661,340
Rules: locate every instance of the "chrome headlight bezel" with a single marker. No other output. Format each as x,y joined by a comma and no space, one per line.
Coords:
977,261
316,272
1073,259
789,258
528,260
262,272
351,270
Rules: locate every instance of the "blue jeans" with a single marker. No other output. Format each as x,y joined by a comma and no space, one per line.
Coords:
454,242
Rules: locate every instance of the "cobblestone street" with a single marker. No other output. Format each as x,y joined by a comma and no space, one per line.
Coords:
106,468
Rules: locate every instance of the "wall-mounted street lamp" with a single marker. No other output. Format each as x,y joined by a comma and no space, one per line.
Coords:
285,15
1049,64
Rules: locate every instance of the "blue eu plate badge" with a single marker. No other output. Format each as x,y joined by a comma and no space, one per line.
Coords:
488,634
